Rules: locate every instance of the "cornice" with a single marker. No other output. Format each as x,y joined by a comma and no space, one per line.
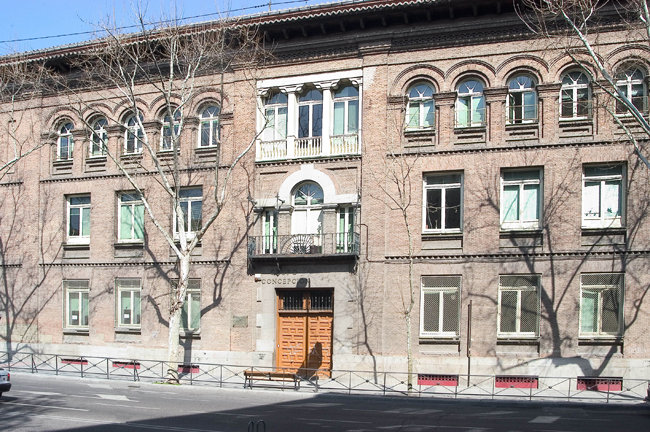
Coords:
113,264
398,259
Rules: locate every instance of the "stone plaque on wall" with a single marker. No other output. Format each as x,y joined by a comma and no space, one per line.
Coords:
240,321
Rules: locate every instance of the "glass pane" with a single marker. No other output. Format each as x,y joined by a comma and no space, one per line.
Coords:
205,134
353,116
317,120
452,208
126,310
511,203
85,221
339,118
611,309
567,103
303,121
74,309
530,207
347,91
583,102
84,309
530,105
215,133
434,207
591,199
196,310
414,115
197,207
184,315
478,110
529,311
282,122
269,132
450,312
508,323
612,198
138,224
74,222
80,200
184,205
191,193
589,312
462,111
126,220
431,315
136,307
428,114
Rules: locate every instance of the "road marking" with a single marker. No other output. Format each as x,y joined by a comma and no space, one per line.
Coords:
43,406
328,420
40,393
100,386
226,414
115,397
170,428
125,406
545,419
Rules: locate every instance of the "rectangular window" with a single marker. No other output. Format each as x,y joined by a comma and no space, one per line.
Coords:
519,306
191,201
345,232
191,312
443,203
270,238
79,219
131,217
602,196
76,303
521,199
601,304
440,306
128,302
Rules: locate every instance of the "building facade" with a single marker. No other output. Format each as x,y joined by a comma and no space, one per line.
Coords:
423,149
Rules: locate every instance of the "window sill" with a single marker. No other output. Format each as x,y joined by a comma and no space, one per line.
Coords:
439,340
521,230
600,340
470,129
97,158
190,334
76,331
441,234
76,246
442,241
517,340
128,330
129,244
62,162
416,133
524,123
575,119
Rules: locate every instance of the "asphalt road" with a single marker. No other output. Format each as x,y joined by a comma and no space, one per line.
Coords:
50,403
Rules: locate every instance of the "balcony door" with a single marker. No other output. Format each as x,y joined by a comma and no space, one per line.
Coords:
307,219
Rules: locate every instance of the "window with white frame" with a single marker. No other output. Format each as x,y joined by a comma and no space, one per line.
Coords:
346,240
521,199
443,199
128,302
346,111
99,141
191,311
168,133
601,304
602,196
470,104
275,110
440,306
575,96
78,219
191,201
522,100
519,305
133,135
270,229
310,113
76,294
131,217
65,143
632,84
420,112
210,132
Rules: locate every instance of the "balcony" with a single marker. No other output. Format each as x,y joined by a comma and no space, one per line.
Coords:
311,147
304,245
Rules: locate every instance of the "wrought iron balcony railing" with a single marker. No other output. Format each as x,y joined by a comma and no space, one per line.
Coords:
304,244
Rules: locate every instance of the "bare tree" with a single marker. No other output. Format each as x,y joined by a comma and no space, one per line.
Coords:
172,63
575,27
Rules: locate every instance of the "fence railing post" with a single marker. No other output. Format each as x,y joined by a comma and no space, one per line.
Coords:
32,357
384,383
220,375
108,371
82,367
56,364
568,396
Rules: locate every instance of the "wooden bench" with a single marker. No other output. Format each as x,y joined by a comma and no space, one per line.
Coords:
254,375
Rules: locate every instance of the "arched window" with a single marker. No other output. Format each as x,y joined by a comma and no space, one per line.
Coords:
210,134
576,99
346,110
420,114
275,109
308,194
133,135
65,143
630,83
470,105
522,100
167,138
99,140
310,113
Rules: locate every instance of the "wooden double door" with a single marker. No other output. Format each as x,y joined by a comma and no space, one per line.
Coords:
305,319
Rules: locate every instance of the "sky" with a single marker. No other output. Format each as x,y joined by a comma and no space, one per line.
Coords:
36,24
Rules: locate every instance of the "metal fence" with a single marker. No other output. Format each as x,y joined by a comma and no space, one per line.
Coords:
500,387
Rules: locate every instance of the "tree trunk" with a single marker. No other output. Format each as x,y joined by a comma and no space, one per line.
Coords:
175,310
